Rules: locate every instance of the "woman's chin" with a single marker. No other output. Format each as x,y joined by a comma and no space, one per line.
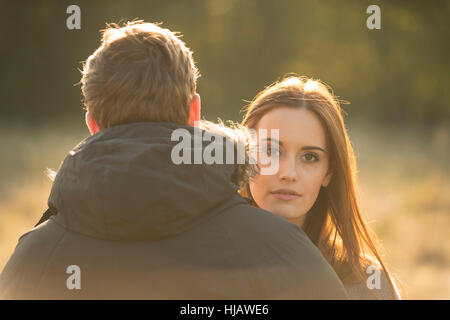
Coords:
286,211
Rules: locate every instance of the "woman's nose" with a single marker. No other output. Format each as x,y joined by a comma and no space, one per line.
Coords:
287,169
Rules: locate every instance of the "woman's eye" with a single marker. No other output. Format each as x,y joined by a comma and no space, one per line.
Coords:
270,151
311,157
274,153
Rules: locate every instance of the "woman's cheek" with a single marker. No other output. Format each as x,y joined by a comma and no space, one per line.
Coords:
258,189
311,196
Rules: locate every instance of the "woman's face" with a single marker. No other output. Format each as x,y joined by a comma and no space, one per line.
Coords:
302,167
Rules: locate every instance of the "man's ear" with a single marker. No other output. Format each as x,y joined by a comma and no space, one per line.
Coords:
194,111
91,123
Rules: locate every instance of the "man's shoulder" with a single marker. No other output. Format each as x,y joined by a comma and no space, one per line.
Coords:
258,217
257,229
22,273
259,222
35,245
276,253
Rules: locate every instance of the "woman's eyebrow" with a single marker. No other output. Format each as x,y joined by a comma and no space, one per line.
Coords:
313,148
303,148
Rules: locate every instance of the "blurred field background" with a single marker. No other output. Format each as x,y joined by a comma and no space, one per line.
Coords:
396,80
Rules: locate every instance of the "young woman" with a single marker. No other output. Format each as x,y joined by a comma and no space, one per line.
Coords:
314,185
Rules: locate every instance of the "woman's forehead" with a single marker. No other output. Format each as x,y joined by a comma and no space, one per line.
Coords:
295,126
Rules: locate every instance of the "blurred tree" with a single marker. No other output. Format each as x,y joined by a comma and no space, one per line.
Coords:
396,74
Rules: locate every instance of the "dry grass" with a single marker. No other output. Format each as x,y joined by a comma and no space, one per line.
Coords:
404,192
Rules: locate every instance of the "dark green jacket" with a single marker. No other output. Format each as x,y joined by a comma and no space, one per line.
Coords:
140,227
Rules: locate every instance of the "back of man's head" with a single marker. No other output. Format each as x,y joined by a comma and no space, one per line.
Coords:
141,72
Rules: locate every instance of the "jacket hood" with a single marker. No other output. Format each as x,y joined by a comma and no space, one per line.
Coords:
121,183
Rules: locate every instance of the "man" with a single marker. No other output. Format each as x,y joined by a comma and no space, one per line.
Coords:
126,222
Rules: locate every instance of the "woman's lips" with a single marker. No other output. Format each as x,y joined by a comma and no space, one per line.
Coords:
285,194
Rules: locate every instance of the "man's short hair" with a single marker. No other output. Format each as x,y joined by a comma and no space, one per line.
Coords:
141,72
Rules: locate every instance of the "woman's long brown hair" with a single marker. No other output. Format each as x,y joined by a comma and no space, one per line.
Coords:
334,223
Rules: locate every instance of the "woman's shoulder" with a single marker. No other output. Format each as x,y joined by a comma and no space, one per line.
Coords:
375,286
